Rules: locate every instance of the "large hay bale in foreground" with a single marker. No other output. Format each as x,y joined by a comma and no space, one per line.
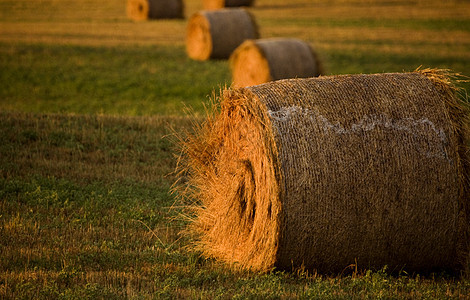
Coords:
215,34
259,61
325,172
139,10
218,4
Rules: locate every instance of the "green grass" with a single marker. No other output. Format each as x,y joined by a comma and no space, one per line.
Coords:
437,25
149,80
142,80
349,62
90,103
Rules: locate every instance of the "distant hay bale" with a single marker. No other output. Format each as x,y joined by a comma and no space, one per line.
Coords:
259,61
329,171
139,10
218,4
215,34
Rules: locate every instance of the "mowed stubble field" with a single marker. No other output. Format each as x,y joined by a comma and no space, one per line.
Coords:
90,103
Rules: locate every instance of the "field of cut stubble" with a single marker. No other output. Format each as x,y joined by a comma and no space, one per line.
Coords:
90,103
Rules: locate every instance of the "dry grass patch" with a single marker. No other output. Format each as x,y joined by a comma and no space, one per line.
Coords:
88,148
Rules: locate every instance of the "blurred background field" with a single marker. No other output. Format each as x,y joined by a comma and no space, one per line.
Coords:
89,106
87,57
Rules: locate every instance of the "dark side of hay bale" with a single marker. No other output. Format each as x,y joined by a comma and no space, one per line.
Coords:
218,4
259,61
139,10
331,171
215,34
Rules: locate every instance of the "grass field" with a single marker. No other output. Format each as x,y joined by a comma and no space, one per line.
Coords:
90,103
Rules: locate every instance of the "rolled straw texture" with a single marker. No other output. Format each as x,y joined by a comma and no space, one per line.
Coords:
329,171
259,61
218,4
139,10
215,34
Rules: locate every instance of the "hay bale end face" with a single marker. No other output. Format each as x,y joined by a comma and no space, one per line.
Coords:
139,10
260,61
215,34
325,172
218,4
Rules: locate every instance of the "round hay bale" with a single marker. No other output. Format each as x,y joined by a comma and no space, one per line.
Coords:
218,4
329,171
215,34
139,10
259,61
